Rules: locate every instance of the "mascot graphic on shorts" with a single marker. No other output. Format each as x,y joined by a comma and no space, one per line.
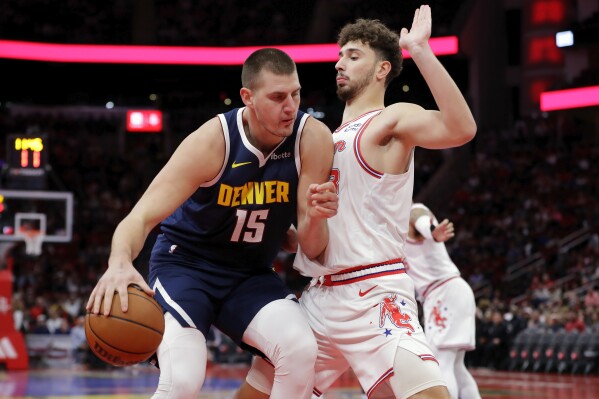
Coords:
437,317
389,308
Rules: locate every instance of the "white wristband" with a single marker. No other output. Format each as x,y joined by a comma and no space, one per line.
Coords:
423,226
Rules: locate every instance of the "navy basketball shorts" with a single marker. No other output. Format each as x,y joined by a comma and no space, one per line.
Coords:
200,294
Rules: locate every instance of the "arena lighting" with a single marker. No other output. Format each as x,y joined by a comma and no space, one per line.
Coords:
564,39
570,98
144,121
121,54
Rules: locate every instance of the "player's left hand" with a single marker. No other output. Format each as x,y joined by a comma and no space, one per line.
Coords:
322,200
420,31
444,231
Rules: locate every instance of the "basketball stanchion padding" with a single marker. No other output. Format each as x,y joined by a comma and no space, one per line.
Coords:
126,338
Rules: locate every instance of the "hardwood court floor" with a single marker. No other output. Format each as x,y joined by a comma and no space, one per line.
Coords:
140,381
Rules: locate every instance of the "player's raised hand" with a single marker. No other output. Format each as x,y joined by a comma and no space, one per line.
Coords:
420,31
322,200
444,231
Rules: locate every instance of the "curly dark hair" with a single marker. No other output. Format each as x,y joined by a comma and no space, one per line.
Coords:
379,37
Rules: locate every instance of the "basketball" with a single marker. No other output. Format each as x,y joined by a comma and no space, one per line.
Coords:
124,339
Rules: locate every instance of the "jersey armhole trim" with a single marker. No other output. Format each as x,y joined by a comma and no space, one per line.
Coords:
225,131
298,139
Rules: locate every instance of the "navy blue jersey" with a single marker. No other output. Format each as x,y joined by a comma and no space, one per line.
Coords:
239,219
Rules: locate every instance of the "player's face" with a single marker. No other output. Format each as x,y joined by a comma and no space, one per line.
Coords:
355,69
276,100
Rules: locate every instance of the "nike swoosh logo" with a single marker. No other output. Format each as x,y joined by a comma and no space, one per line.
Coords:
367,291
236,165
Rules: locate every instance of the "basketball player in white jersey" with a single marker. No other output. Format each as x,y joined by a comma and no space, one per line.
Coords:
449,318
361,304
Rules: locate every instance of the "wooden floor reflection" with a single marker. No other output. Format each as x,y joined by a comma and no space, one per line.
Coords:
222,381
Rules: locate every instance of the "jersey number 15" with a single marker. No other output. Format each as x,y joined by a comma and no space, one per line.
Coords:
250,225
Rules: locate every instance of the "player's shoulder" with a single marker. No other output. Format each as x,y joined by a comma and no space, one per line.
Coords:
418,205
315,127
392,114
418,210
400,108
210,130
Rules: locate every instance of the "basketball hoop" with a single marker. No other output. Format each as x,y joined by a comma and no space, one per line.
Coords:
33,241
31,227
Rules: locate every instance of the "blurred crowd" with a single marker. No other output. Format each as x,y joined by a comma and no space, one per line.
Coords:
203,22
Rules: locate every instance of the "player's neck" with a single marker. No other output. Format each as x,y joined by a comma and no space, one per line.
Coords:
364,102
257,135
260,138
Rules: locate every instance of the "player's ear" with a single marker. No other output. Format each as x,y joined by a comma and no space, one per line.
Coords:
383,70
246,96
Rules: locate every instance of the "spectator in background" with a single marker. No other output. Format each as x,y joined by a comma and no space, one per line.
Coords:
575,321
41,325
515,320
536,319
78,340
591,298
495,341
55,321
19,313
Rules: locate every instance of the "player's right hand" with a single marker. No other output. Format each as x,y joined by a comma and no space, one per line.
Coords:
323,200
117,278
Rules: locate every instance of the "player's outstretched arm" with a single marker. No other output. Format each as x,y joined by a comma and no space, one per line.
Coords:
453,125
422,226
177,181
317,197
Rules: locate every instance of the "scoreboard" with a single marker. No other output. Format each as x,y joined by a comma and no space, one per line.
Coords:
26,161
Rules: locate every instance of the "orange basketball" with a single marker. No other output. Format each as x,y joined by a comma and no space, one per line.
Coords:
123,339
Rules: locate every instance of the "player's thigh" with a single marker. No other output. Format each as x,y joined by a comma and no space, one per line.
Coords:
247,299
184,292
330,361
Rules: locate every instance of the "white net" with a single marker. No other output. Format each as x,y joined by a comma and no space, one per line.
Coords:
33,242
31,227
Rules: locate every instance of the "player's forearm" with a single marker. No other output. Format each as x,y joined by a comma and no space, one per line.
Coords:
455,112
127,241
313,236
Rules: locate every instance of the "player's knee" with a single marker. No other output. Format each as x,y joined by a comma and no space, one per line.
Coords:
305,349
300,344
436,392
178,388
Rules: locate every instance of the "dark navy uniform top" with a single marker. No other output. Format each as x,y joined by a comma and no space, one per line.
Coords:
239,219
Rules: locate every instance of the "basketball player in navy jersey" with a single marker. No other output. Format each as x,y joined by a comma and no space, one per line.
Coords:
225,201
361,303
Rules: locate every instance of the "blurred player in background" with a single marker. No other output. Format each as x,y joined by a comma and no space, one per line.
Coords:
447,300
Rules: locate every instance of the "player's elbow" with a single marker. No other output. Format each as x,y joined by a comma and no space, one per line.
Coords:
464,131
469,131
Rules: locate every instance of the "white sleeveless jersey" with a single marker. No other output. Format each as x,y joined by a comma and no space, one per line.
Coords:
373,216
429,263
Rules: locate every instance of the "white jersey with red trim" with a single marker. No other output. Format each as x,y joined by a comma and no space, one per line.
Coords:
428,262
372,222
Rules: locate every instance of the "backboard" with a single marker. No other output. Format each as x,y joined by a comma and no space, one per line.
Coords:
51,211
